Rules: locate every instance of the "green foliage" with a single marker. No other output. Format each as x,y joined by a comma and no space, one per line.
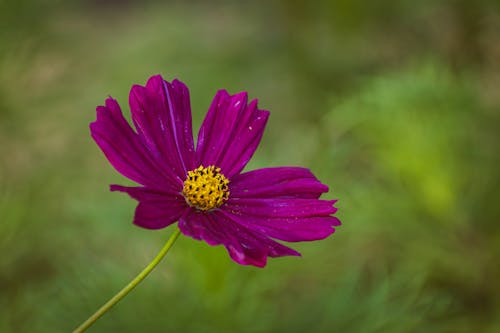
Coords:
411,149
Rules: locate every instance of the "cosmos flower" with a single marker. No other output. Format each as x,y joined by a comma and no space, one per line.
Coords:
203,188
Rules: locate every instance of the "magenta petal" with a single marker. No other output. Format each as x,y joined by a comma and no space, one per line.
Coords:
281,203
125,151
230,133
156,209
243,245
161,113
280,208
201,226
282,182
289,229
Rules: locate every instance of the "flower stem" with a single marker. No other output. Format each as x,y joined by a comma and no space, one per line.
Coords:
128,288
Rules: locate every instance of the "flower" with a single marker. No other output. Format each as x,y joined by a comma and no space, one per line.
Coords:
204,189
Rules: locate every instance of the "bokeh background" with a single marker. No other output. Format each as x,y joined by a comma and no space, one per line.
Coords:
394,104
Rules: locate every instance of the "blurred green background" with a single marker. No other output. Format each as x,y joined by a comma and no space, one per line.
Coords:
394,104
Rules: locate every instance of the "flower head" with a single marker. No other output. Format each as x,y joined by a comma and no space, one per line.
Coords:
204,188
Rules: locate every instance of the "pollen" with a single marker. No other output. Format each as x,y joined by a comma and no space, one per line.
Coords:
205,188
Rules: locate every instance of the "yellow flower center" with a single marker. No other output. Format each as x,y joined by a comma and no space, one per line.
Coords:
205,188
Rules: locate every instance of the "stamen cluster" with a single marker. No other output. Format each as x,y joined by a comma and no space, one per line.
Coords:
205,188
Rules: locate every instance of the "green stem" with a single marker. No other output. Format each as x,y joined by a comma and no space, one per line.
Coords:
128,288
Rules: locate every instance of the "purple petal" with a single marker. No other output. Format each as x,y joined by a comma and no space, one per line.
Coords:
289,229
230,133
282,182
125,151
280,207
156,209
243,245
161,113
281,203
